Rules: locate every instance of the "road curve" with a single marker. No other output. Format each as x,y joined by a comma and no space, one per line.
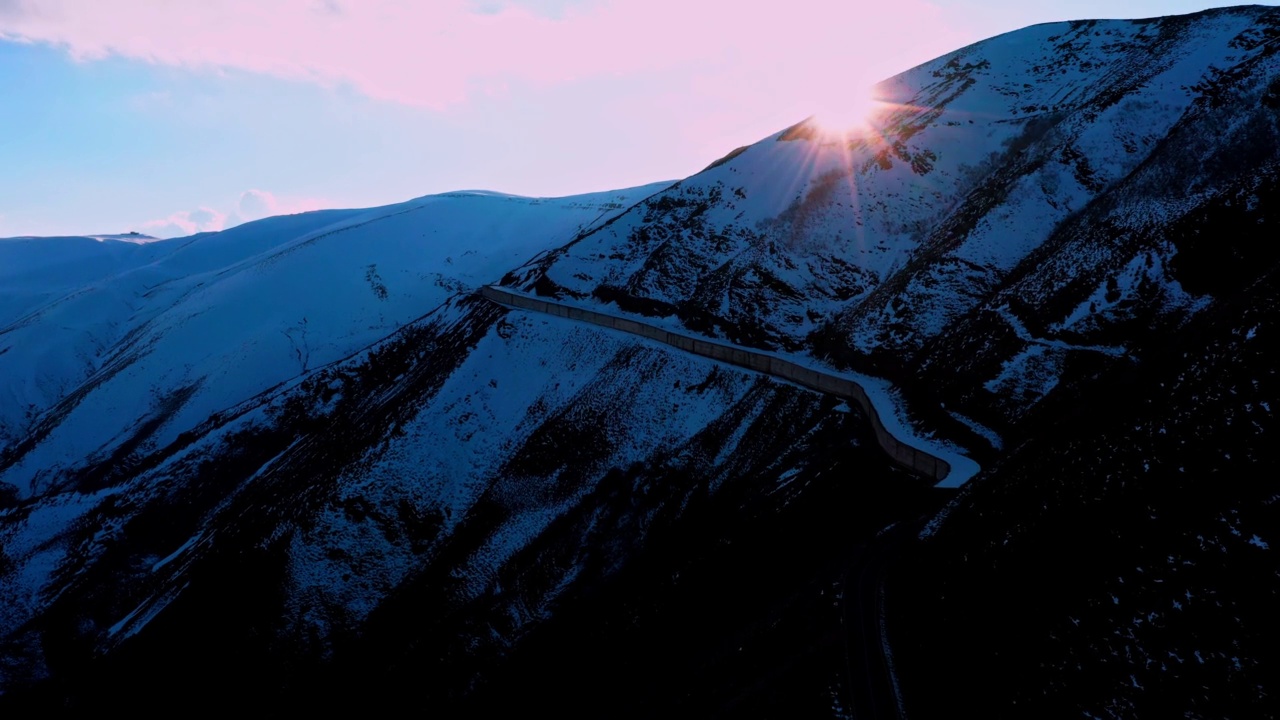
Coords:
915,460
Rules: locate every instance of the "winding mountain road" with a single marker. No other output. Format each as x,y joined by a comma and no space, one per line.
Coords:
920,462
873,689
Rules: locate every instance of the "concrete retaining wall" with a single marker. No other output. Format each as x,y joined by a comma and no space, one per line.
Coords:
913,459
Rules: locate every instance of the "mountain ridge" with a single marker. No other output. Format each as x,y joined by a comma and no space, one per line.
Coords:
303,459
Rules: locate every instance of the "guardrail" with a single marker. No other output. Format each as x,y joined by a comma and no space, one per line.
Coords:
917,461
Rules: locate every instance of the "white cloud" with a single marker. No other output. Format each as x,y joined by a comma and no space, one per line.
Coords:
185,222
256,204
252,204
442,52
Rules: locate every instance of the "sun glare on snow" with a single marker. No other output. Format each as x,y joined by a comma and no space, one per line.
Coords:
850,113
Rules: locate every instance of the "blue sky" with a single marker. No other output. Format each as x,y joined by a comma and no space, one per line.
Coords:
117,116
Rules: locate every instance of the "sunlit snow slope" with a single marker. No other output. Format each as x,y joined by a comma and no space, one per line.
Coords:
1016,190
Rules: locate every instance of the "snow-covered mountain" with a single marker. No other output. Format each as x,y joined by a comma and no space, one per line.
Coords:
163,334
1032,175
303,459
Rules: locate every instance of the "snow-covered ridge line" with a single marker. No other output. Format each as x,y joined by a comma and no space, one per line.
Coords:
921,462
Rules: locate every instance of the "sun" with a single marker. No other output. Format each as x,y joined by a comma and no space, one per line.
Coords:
847,113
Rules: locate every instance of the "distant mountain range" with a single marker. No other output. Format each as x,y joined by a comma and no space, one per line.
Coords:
303,463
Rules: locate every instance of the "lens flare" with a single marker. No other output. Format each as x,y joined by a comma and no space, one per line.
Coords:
848,113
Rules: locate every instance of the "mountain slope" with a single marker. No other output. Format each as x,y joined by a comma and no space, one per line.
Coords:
1139,520
303,460
197,325
1033,173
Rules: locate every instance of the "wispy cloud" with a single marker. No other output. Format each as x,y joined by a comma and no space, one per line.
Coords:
252,205
256,204
185,222
439,54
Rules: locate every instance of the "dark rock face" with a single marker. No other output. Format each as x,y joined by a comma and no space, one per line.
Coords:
1119,562
1060,245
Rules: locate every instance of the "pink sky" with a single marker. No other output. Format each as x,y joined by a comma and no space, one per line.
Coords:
537,97
442,53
